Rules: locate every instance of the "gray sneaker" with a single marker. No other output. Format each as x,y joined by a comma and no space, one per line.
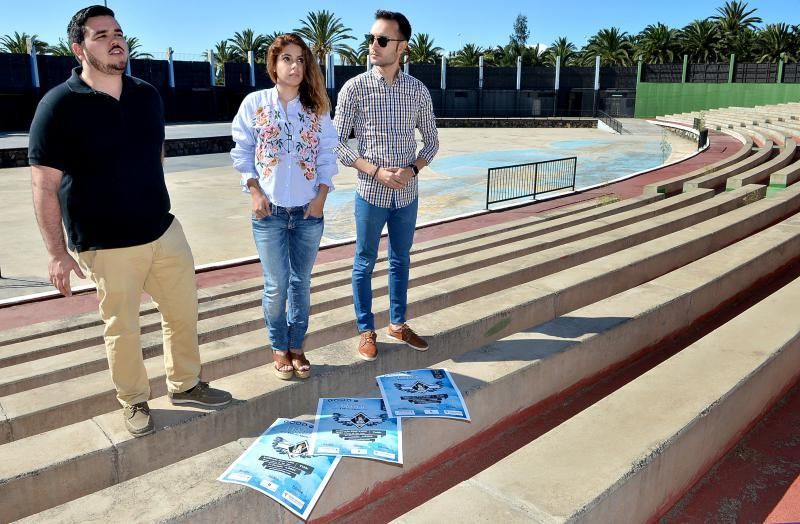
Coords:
202,395
138,420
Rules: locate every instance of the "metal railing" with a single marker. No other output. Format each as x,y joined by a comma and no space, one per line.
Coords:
610,121
529,180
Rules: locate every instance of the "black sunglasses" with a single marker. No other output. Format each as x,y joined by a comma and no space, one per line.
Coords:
382,40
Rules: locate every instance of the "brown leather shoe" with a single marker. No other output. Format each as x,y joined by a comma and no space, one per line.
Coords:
407,335
367,348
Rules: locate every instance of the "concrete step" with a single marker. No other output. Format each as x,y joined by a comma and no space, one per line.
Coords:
36,330
717,179
28,375
786,176
228,298
763,172
499,381
35,410
481,320
628,457
778,138
760,139
790,129
674,185
724,123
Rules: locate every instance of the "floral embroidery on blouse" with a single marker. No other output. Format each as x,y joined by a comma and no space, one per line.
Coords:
271,141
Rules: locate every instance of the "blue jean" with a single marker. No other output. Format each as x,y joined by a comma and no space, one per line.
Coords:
401,223
287,245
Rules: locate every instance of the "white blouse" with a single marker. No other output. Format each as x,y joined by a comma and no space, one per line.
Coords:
289,152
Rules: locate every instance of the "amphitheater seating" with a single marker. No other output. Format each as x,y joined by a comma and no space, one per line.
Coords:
674,185
519,312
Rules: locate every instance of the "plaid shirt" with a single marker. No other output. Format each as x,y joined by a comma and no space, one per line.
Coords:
384,118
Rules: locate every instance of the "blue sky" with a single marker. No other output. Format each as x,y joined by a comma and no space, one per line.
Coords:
191,27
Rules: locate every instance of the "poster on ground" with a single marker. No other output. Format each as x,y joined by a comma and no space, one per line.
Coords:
278,465
422,393
357,427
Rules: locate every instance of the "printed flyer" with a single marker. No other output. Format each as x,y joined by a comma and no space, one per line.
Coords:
422,393
278,464
357,427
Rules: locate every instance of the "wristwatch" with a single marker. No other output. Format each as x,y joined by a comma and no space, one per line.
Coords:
414,168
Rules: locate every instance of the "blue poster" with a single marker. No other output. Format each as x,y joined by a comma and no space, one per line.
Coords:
278,464
422,393
357,427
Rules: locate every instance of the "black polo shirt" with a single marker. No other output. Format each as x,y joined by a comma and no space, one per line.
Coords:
113,192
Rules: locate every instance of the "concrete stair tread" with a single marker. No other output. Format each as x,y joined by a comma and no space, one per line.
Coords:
674,185
717,179
31,331
481,370
60,367
93,358
763,172
444,293
666,413
230,302
661,266
549,297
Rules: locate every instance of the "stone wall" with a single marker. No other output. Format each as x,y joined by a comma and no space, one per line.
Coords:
17,157
198,146
517,122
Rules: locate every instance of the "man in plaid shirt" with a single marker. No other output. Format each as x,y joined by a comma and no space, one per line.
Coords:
384,107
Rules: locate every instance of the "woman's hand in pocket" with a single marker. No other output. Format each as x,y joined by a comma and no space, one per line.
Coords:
261,205
316,206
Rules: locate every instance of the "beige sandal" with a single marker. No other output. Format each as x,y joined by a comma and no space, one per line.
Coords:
279,362
299,361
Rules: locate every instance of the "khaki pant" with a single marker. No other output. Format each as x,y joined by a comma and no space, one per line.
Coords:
164,269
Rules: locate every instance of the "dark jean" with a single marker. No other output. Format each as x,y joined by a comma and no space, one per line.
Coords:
370,220
287,245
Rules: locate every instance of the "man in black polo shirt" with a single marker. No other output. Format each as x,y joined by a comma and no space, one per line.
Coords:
96,154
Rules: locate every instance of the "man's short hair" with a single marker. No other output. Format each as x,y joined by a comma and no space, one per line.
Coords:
77,26
402,21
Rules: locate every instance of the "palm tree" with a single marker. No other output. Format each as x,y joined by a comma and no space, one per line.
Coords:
18,43
246,41
562,48
323,33
502,56
776,40
268,39
744,45
469,55
422,49
734,17
658,44
699,40
733,20
62,49
225,53
612,45
352,56
133,46
533,55
506,56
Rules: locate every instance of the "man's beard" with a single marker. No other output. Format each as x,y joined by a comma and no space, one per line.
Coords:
116,68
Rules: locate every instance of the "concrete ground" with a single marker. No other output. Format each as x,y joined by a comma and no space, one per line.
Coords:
215,215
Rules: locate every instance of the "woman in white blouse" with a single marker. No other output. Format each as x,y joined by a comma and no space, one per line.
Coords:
285,153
